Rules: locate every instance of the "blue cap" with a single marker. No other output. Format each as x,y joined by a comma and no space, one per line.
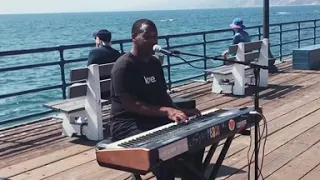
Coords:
237,23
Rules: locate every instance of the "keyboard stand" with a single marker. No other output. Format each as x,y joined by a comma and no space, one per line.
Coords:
205,164
217,166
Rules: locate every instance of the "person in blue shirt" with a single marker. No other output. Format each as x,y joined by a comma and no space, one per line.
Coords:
240,34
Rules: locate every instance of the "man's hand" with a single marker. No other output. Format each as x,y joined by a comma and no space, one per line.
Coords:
225,53
176,115
192,112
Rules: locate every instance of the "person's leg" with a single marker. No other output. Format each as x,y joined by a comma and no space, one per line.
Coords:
195,159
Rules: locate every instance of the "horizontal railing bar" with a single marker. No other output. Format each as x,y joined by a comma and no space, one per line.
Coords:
186,45
304,28
75,60
289,30
306,39
28,66
290,42
30,91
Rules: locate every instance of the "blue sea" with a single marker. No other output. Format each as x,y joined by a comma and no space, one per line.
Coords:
48,30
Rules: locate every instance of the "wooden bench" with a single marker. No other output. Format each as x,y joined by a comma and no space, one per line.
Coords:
85,102
238,75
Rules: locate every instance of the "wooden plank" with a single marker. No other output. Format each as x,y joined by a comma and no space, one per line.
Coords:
313,174
288,127
30,143
278,155
26,128
58,166
43,160
80,172
298,167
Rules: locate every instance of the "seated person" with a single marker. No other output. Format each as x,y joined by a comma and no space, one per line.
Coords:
240,34
103,53
139,99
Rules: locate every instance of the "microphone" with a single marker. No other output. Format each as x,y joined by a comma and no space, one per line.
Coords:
157,48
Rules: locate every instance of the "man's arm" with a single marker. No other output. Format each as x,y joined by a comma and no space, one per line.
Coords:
132,105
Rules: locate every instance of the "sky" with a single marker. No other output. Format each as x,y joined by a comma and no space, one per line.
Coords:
55,6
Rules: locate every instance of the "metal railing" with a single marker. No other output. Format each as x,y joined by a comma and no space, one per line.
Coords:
296,33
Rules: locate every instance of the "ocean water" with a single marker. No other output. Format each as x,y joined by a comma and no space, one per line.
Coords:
47,30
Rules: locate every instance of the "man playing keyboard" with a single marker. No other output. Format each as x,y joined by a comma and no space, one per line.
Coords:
139,99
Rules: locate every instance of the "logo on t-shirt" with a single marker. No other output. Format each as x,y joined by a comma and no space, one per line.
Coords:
150,79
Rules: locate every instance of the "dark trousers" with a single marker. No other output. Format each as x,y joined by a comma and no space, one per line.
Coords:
168,169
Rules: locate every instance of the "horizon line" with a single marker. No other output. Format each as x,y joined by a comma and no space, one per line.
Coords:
115,11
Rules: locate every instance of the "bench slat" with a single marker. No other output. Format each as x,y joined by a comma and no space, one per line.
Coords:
252,46
251,56
249,46
77,90
105,70
80,89
77,75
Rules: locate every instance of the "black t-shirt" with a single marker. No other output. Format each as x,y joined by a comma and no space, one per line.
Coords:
103,55
142,80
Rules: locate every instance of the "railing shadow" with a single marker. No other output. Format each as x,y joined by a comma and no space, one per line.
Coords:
277,91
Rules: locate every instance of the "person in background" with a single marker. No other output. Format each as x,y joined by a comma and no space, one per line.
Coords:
240,34
103,53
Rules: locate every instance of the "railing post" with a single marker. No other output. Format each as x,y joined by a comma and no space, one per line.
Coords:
121,48
314,31
299,26
63,78
259,32
205,55
280,42
168,65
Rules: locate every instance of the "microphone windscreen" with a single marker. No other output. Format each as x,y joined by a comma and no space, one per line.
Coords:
156,48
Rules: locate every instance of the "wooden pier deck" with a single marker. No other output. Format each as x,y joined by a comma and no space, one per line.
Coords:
291,105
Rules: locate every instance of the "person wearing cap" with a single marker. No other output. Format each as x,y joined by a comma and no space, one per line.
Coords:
103,53
240,34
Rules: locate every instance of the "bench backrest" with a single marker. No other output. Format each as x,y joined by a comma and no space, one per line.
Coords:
251,51
79,77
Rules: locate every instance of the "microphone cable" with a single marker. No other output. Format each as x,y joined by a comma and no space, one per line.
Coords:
202,68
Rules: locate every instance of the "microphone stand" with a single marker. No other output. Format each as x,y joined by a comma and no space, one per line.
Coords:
256,71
